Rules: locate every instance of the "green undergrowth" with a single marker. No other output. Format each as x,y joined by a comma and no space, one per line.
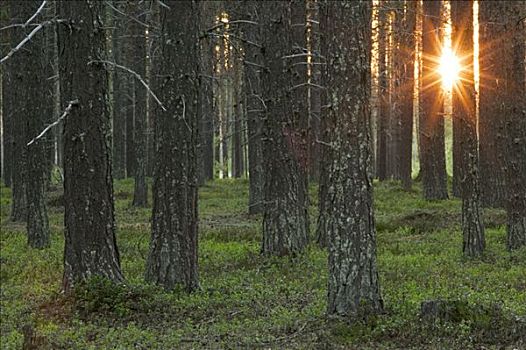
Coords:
247,300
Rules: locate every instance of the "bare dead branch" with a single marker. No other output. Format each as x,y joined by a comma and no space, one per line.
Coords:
136,75
36,13
64,115
23,42
222,24
126,15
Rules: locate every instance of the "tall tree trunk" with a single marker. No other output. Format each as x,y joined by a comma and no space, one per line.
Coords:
172,259
432,148
90,244
34,114
8,95
405,96
353,290
490,120
255,108
137,30
16,80
324,146
285,219
153,41
49,59
59,143
464,111
513,107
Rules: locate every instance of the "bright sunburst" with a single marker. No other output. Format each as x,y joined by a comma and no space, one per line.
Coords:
449,68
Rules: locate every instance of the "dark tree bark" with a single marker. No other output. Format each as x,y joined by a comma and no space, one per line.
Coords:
285,219
405,94
33,114
324,161
17,80
59,143
432,151
353,290
90,244
137,31
153,51
490,120
8,95
48,64
313,23
255,108
513,80
464,112
206,96
172,259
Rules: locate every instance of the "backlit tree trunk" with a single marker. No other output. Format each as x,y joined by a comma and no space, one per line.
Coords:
432,151
464,112
90,245
490,121
513,81
172,259
353,290
285,219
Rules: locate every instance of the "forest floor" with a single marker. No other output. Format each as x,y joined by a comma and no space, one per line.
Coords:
251,301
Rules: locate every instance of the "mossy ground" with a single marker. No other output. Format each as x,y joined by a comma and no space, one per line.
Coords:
251,301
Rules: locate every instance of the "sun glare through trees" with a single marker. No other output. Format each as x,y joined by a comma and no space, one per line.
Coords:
449,68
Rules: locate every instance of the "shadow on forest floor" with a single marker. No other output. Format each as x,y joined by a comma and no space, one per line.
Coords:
248,300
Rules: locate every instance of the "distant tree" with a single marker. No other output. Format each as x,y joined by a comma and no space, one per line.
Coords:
172,259
90,244
353,289
138,60
285,218
405,70
464,111
382,119
206,96
431,126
